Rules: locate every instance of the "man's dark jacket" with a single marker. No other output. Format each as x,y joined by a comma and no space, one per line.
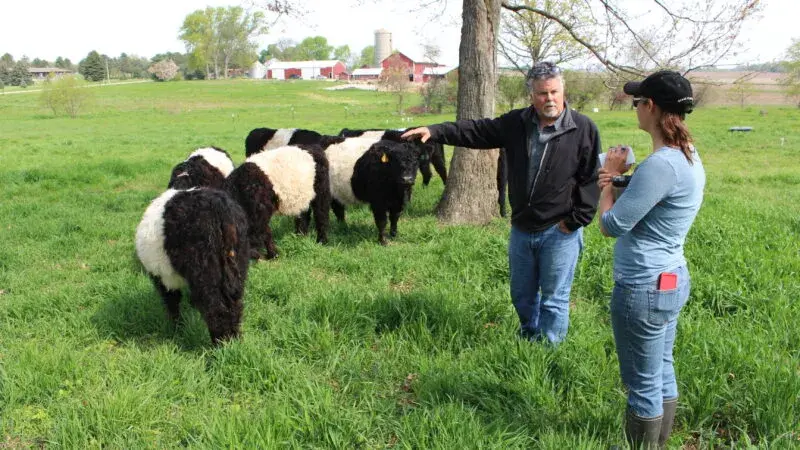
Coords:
566,186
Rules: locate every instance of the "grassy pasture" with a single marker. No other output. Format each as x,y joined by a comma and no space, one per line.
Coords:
352,345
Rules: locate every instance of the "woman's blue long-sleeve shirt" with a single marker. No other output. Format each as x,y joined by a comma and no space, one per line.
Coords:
653,215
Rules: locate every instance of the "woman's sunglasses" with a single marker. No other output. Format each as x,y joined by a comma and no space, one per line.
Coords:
637,100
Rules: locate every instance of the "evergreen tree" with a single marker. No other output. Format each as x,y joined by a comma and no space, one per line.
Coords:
63,63
20,76
92,67
6,61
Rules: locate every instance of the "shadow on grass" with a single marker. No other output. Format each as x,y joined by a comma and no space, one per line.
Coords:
497,403
140,317
513,404
393,312
352,233
427,319
423,202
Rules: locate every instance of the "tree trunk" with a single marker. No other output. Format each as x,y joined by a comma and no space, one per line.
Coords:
470,195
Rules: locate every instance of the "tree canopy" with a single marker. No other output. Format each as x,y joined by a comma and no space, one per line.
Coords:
631,39
527,37
367,56
792,67
217,38
312,48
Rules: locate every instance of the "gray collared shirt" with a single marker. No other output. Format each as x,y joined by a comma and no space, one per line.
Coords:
537,144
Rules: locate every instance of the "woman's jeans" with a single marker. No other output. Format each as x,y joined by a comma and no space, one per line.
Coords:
545,261
644,321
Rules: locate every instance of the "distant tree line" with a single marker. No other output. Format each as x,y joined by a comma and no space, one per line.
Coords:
98,67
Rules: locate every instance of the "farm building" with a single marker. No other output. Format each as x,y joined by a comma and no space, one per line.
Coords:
40,73
430,73
366,73
306,70
415,67
258,70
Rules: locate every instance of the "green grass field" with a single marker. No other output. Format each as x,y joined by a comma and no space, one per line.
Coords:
352,345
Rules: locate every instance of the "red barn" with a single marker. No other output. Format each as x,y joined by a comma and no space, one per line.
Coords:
415,68
306,70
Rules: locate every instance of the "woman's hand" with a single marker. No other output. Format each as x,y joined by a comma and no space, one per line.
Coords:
604,177
421,133
616,159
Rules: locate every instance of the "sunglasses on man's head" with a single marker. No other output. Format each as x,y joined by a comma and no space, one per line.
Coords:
637,100
543,69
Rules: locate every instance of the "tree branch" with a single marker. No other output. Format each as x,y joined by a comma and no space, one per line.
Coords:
606,62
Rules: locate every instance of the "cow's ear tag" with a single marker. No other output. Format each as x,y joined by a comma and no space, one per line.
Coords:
385,158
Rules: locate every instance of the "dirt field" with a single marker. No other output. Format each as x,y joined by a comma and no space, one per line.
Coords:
739,88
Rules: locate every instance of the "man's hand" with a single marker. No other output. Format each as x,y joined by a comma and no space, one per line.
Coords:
421,133
563,227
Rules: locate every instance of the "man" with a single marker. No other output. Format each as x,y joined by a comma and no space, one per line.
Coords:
552,156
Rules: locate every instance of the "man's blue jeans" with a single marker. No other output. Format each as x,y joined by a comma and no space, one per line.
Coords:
644,321
545,261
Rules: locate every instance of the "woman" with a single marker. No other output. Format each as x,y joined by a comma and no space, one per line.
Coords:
651,282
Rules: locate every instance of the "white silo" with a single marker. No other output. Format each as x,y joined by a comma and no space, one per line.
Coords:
383,45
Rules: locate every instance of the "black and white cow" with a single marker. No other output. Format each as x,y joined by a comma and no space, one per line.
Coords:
261,139
197,238
430,152
290,181
378,173
204,167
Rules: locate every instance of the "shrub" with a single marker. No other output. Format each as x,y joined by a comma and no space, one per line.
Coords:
434,95
583,88
164,70
395,80
511,90
66,94
617,99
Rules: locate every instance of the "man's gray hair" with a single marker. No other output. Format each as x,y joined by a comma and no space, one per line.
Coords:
543,71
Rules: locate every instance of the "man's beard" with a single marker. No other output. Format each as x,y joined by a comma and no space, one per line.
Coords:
550,110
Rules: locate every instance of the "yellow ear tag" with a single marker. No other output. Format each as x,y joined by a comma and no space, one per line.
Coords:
384,158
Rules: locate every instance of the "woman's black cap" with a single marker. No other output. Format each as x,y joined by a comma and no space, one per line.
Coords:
668,89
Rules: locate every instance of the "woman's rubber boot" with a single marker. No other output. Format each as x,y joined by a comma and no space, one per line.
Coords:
670,406
641,433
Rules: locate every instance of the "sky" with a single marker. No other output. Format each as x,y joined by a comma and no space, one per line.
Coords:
50,28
